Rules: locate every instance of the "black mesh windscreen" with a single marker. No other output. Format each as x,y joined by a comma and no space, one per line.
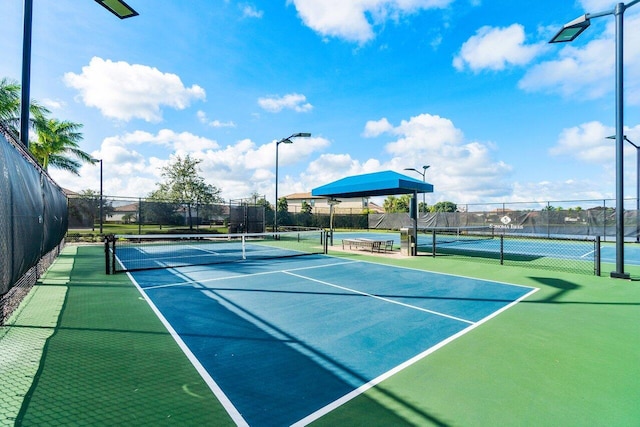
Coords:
33,214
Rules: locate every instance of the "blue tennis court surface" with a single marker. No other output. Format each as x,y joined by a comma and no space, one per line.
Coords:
565,249
286,341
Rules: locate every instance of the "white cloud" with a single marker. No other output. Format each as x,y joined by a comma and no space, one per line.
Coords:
292,101
589,143
202,116
586,142
353,20
125,91
496,48
375,128
457,168
587,72
53,104
238,169
184,141
250,11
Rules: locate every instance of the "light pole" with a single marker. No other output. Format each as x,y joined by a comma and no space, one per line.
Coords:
637,183
568,33
101,212
287,140
117,7
101,202
423,173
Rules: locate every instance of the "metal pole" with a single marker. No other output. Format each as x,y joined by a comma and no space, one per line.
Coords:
101,201
637,192
424,200
619,272
139,215
26,73
275,214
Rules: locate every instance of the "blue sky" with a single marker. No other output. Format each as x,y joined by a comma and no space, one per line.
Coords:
469,87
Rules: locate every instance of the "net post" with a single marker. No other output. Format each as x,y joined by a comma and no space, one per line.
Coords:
113,255
106,255
325,242
244,248
597,256
502,249
433,243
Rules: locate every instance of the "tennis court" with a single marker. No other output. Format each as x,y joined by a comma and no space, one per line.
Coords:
285,341
540,247
87,348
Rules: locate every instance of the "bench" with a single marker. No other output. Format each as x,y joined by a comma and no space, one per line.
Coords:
370,244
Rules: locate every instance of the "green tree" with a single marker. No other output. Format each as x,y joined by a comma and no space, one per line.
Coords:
183,184
85,208
444,207
10,108
393,204
389,204
159,211
268,209
283,205
306,208
283,212
57,144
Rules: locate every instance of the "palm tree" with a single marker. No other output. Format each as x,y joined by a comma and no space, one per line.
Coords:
57,144
10,108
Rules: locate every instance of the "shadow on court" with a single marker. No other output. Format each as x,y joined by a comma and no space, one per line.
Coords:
110,361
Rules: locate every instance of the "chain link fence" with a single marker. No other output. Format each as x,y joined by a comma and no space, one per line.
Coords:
33,223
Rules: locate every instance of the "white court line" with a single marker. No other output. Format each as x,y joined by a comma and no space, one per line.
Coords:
351,395
587,254
381,298
213,386
233,412
242,276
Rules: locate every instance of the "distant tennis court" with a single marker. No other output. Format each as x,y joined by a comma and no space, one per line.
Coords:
570,253
286,340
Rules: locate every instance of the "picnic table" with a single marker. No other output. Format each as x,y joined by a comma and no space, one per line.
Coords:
370,244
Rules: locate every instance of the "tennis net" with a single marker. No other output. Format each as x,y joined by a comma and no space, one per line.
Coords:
458,235
154,251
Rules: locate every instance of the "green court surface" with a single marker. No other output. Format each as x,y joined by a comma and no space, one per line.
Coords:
85,348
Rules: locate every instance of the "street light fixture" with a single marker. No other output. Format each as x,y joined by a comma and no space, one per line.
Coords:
423,173
287,140
637,183
568,33
117,7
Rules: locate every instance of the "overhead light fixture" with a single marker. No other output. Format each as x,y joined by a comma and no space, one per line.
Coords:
118,8
571,30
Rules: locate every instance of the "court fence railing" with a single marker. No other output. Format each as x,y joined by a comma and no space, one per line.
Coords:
537,222
33,222
494,246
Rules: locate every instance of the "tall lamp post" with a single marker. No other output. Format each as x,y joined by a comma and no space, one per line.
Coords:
637,183
101,201
100,208
117,7
423,173
568,33
287,140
